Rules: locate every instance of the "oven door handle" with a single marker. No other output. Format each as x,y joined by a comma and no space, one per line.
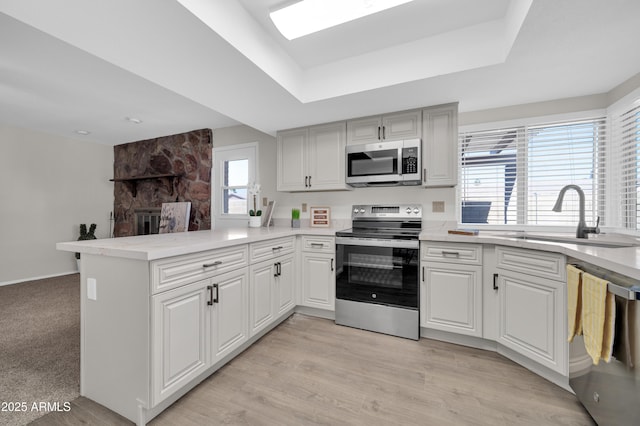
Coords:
372,242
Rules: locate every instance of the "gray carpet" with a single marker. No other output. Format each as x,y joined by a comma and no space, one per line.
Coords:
39,347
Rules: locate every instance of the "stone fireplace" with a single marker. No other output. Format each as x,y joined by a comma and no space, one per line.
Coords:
166,169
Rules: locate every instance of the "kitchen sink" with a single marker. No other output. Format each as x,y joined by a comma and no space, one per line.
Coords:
580,241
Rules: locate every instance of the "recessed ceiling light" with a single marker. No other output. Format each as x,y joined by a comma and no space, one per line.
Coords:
310,16
83,132
134,120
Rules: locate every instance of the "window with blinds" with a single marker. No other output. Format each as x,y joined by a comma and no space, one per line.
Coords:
627,137
512,176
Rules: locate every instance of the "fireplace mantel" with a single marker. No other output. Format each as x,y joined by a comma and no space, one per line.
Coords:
135,179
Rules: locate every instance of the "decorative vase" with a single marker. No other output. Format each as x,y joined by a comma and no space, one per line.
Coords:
295,223
255,221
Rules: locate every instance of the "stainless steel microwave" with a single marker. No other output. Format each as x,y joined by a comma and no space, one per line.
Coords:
384,163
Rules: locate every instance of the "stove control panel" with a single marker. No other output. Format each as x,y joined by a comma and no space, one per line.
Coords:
396,211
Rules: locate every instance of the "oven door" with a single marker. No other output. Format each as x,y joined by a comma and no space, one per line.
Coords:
378,271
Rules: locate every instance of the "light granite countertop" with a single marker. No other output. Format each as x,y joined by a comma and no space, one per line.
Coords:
151,247
623,260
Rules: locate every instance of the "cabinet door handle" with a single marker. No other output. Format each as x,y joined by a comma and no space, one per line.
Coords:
217,299
332,264
279,268
378,132
424,175
495,281
210,290
209,265
423,274
306,181
309,181
275,270
451,253
384,131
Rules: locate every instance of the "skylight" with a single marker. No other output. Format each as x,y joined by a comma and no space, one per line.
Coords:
310,16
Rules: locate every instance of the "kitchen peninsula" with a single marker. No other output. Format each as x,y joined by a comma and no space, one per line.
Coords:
160,313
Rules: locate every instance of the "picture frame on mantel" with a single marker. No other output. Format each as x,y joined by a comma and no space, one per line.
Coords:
320,217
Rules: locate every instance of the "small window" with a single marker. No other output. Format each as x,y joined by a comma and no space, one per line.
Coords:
234,169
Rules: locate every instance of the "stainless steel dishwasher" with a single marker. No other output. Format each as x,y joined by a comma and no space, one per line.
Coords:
611,391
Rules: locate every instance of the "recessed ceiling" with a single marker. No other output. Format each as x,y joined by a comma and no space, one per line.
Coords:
183,64
406,23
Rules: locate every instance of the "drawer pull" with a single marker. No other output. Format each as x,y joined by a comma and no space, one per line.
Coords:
451,253
209,265
276,248
317,245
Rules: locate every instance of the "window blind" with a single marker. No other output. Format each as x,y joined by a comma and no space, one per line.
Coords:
627,142
512,176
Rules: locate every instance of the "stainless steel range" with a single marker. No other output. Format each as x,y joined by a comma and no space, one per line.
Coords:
377,270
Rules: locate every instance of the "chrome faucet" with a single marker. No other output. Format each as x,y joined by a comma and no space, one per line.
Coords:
583,230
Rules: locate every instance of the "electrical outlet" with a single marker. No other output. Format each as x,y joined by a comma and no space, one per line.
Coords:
265,201
304,207
437,207
92,289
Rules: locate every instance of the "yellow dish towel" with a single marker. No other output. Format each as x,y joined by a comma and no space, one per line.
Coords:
598,317
574,302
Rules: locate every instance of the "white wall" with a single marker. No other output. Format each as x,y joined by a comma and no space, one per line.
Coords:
339,201
49,186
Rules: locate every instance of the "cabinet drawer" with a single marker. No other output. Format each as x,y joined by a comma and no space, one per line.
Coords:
176,271
434,251
531,262
318,244
269,249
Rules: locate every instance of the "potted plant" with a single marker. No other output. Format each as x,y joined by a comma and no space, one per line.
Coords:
85,235
255,215
295,218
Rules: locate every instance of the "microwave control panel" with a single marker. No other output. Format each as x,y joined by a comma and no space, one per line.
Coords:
410,160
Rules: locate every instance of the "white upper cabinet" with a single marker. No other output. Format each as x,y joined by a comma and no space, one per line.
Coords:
292,159
440,145
402,125
312,158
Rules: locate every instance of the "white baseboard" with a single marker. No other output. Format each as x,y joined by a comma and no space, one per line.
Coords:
23,280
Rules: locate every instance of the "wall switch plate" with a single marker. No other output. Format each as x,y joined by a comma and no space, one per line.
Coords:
265,201
437,207
304,207
92,289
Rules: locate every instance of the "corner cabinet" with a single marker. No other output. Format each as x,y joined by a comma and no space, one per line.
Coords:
440,146
312,158
318,272
532,304
401,125
451,288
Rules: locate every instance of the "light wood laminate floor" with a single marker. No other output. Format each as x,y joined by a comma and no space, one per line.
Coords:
310,371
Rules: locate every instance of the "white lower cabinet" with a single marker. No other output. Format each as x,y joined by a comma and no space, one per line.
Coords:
272,291
451,287
451,298
318,281
318,272
229,313
180,338
195,326
532,317
531,286
285,285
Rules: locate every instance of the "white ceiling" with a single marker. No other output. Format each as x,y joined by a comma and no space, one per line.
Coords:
187,64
